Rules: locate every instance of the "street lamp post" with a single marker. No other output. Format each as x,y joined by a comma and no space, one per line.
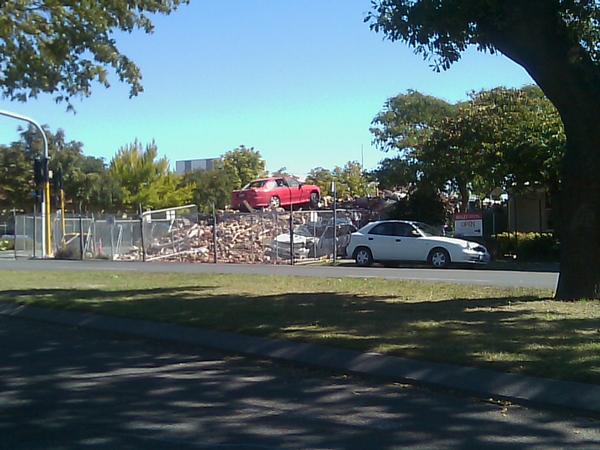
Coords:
46,243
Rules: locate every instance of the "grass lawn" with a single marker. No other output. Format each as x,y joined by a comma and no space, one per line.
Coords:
516,330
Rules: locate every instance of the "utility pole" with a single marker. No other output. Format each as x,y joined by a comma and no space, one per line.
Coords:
334,192
46,238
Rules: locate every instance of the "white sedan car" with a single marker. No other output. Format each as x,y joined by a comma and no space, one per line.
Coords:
398,240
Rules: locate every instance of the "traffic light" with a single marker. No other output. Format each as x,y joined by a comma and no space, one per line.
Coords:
37,195
57,178
40,170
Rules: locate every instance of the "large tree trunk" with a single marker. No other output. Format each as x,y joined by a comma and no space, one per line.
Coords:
536,38
580,209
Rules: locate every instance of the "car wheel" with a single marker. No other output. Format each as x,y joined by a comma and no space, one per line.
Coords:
275,202
314,200
439,258
363,257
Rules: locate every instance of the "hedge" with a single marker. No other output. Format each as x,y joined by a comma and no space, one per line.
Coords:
527,246
6,245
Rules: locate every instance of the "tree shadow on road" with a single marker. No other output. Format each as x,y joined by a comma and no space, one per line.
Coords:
73,388
519,334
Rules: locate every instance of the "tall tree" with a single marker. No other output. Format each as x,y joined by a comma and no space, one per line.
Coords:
62,48
145,180
396,172
84,176
407,125
16,177
500,138
243,165
558,43
212,187
350,180
407,120
321,177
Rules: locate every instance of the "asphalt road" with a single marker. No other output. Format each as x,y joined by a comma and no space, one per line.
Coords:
65,388
504,278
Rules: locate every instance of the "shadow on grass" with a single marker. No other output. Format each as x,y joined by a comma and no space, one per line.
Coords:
517,334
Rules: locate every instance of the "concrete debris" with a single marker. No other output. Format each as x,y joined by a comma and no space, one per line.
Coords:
245,238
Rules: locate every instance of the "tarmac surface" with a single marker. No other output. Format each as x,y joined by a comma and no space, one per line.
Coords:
501,278
67,387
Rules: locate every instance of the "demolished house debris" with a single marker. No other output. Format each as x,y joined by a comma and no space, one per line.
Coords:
245,238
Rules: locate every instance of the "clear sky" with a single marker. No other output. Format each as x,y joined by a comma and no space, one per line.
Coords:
298,80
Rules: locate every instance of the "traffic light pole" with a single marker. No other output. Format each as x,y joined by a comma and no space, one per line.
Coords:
46,239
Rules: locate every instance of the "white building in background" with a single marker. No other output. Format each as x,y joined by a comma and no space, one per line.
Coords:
191,165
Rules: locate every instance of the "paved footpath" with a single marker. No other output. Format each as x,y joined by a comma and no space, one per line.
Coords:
485,383
68,388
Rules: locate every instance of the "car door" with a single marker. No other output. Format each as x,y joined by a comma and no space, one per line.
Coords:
381,240
295,192
409,244
282,191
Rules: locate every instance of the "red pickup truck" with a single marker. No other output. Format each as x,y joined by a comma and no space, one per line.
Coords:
276,192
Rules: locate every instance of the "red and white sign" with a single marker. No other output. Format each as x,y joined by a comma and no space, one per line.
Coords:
468,224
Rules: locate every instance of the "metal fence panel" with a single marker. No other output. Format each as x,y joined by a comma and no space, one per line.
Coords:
171,233
183,235
28,231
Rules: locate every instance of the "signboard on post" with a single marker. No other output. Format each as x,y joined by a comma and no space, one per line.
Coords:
468,224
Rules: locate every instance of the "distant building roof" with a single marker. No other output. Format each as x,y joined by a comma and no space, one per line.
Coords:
192,165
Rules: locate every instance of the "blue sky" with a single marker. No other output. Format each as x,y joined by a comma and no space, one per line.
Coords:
299,81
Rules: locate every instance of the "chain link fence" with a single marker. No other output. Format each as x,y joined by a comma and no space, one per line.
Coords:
184,235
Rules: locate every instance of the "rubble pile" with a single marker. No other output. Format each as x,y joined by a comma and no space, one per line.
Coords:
240,239
248,238
256,238
183,242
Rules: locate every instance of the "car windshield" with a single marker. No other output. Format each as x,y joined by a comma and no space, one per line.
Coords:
303,230
428,230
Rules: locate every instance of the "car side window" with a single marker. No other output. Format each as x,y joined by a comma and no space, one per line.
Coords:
383,229
405,230
292,182
280,182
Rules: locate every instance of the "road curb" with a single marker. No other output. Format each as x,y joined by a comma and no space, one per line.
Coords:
481,382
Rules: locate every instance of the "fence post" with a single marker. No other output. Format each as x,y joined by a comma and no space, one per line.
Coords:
15,231
34,228
214,217
275,217
91,241
142,237
111,223
516,229
291,236
334,226
81,237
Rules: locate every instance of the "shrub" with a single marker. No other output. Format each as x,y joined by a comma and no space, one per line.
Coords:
423,205
7,245
527,246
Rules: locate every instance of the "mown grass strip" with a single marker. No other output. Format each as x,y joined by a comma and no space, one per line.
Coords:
516,330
